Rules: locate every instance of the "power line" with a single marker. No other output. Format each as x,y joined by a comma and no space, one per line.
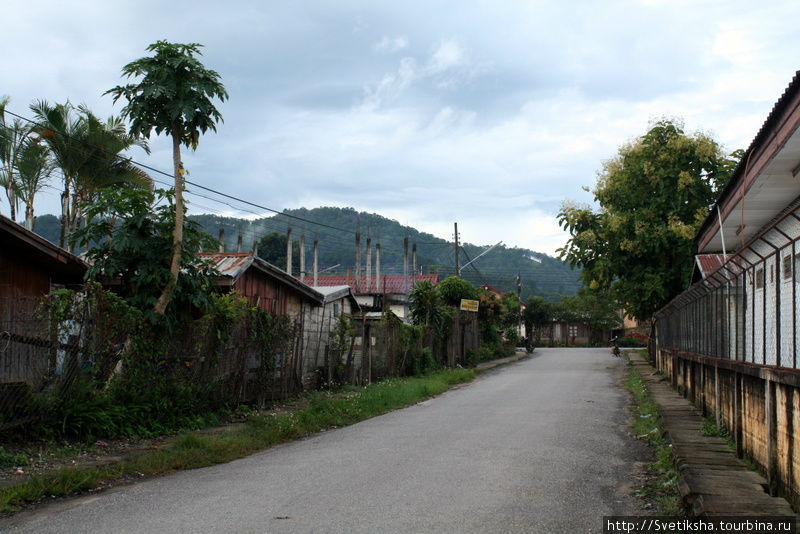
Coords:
265,222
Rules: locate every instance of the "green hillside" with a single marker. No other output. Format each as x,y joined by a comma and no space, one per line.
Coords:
550,278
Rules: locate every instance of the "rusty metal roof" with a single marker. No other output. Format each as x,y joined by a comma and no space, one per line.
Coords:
231,265
709,262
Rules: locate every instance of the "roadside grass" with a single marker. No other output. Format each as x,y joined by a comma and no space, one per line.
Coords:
661,486
323,411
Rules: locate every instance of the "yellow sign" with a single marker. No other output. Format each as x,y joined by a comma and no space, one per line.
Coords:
469,305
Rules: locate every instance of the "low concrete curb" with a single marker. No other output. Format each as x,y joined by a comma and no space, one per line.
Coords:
713,480
502,361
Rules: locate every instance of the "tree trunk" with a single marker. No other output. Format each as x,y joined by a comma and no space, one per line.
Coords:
177,234
12,197
64,214
29,216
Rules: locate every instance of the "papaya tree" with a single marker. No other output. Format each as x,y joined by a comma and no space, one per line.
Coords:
173,96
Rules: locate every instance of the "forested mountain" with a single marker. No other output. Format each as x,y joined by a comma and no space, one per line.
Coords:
549,278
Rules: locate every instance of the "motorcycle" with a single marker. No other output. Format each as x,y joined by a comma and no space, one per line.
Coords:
614,346
529,348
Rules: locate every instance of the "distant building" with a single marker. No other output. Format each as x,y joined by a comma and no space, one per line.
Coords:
391,294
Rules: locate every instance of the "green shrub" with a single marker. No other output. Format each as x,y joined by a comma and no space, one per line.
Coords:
12,460
630,342
512,337
424,363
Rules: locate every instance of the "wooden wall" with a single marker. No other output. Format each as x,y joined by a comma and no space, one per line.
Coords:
758,404
22,279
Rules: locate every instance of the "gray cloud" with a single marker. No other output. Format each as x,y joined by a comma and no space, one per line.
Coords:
425,112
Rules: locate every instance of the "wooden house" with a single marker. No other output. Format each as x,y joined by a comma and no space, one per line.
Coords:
262,284
320,324
30,266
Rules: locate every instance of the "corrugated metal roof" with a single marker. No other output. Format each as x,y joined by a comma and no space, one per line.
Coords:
229,264
388,283
708,263
332,293
232,265
738,176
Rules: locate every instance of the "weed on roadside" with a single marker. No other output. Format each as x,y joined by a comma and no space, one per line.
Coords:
323,410
661,485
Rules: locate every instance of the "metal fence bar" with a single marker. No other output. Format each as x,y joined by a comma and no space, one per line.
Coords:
735,313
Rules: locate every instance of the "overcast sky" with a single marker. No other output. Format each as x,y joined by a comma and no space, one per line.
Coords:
485,113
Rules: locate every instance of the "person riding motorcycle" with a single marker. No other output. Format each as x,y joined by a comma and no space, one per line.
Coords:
614,346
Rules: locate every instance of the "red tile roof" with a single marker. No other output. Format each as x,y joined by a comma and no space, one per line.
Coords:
388,284
490,289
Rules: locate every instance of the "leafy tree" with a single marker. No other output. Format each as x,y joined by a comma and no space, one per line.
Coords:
174,96
272,248
491,315
538,314
596,309
511,310
453,289
653,196
129,235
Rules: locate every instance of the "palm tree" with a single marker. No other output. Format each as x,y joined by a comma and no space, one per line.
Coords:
13,137
88,152
64,132
104,166
34,166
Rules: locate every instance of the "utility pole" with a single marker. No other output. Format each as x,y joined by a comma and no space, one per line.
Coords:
458,270
289,251
222,239
405,265
358,261
316,259
519,298
368,277
303,257
413,265
377,267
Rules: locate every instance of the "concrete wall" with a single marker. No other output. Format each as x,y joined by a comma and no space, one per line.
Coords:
758,404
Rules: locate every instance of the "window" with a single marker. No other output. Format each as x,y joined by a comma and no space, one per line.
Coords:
787,266
760,278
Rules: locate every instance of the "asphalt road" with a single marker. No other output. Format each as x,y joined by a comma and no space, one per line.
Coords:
535,446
